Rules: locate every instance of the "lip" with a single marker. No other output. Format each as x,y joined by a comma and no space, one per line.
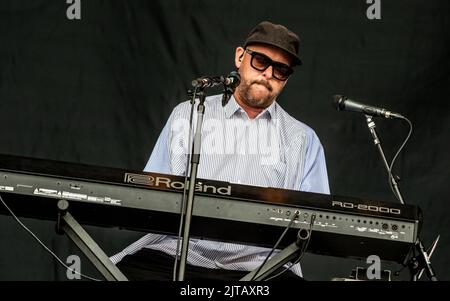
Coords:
262,85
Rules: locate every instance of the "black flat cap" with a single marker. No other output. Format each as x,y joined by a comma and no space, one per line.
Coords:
275,35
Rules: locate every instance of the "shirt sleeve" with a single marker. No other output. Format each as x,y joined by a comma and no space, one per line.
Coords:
170,152
315,177
159,159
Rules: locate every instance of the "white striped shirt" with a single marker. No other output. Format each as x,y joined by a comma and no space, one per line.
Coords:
272,150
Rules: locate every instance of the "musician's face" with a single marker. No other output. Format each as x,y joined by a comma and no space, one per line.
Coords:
259,89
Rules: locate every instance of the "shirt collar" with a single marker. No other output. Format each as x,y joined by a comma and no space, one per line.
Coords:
232,107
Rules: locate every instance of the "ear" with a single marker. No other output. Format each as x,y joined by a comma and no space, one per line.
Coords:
239,55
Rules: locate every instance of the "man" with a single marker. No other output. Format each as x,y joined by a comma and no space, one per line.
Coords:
248,140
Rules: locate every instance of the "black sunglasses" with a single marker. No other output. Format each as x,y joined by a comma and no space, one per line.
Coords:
261,62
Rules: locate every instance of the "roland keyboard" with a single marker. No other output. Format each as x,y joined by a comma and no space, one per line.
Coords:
141,201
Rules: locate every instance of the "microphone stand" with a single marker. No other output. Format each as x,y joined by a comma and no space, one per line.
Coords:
422,261
195,160
376,141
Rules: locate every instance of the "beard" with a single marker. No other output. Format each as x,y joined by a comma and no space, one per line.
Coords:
252,95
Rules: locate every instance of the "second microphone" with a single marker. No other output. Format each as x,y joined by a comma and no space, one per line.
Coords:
232,81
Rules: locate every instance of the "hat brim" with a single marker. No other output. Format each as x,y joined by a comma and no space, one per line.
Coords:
297,61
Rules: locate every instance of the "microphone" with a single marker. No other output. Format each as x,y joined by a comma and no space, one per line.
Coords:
342,103
231,81
203,82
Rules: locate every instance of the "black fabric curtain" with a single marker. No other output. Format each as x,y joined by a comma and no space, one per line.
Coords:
98,90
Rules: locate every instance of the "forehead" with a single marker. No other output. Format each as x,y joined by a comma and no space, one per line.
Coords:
273,52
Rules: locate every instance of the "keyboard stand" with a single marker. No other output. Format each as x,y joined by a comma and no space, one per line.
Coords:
294,250
67,224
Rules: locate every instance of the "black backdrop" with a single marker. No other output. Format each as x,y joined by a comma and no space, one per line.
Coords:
98,91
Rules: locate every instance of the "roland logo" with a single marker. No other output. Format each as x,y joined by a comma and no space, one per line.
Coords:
363,207
147,180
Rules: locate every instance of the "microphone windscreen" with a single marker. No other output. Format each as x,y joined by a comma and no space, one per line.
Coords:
237,76
338,102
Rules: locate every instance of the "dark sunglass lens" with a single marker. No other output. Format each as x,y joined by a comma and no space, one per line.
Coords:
260,62
282,72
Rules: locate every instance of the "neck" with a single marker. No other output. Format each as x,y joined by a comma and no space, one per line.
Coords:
252,112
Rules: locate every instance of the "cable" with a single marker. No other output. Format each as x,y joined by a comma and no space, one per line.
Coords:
390,175
42,244
276,244
302,251
183,202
